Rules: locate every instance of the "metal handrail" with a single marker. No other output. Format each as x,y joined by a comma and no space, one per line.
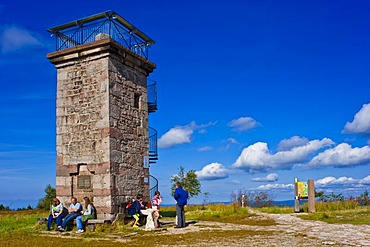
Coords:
104,25
153,147
154,188
152,95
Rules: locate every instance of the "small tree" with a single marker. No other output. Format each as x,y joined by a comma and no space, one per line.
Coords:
4,208
205,200
363,199
247,198
189,182
44,203
321,197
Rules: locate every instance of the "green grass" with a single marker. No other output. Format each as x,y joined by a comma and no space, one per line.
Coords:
15,221
20,228
276,210
231,213
340,213
343,212
333,206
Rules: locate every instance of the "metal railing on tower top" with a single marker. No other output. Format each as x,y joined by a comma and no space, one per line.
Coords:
104,25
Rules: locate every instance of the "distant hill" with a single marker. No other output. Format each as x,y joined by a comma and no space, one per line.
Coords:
18,203
286,203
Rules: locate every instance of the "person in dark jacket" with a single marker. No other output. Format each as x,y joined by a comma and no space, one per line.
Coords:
181,197
134,209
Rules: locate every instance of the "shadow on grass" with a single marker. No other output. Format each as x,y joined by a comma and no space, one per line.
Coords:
190,222
168,214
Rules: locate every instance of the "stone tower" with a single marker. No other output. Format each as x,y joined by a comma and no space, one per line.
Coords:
102,111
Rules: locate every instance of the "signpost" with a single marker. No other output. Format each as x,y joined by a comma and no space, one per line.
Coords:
303,190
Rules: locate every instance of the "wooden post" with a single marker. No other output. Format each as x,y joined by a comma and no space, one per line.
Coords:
296,199
311,196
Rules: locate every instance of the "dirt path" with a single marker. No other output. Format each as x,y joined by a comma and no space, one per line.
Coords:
289,231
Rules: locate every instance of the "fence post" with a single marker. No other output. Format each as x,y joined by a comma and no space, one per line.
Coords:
296,199
311,196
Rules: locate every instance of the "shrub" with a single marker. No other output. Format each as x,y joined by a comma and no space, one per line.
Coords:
44,203
252,199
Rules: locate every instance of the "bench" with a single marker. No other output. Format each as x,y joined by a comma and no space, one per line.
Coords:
91,223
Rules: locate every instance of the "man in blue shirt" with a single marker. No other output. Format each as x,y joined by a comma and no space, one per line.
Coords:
181,197
74,211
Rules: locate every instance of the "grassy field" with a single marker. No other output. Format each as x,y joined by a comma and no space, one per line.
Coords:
20,228
343,212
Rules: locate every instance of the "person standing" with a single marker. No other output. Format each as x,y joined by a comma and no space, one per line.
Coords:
156,202
181,197
73,211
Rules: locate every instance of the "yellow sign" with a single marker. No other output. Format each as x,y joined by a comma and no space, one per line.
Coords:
302,189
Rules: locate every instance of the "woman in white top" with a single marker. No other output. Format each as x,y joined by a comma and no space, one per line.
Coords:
57,213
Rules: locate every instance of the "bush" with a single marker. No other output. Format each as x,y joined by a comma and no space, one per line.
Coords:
44,203
363,199
252,199
4,208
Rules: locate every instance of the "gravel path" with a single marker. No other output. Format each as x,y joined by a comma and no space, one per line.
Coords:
289,231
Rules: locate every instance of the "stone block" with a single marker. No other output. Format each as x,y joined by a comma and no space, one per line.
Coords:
102,201
63,181
63,191
101,182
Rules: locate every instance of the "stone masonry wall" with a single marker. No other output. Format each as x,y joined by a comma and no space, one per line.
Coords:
102,124
129,144
82,116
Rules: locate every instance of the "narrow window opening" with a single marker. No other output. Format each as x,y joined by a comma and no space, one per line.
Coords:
137,100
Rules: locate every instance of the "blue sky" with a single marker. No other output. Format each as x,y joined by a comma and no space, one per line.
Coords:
251,93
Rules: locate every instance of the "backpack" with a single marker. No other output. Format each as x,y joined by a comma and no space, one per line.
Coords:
94,213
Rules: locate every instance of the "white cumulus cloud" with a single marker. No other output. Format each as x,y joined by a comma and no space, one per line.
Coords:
175,136
229,142
14,38
180,134
272,177
280,187
335,181
213,171
365,180
243,124
205,149
258,158
345,185
342,155
295,141
360,123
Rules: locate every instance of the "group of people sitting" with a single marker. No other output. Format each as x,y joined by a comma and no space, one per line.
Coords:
63,217
134,209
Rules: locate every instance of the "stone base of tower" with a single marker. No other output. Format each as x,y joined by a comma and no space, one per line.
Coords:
107,189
